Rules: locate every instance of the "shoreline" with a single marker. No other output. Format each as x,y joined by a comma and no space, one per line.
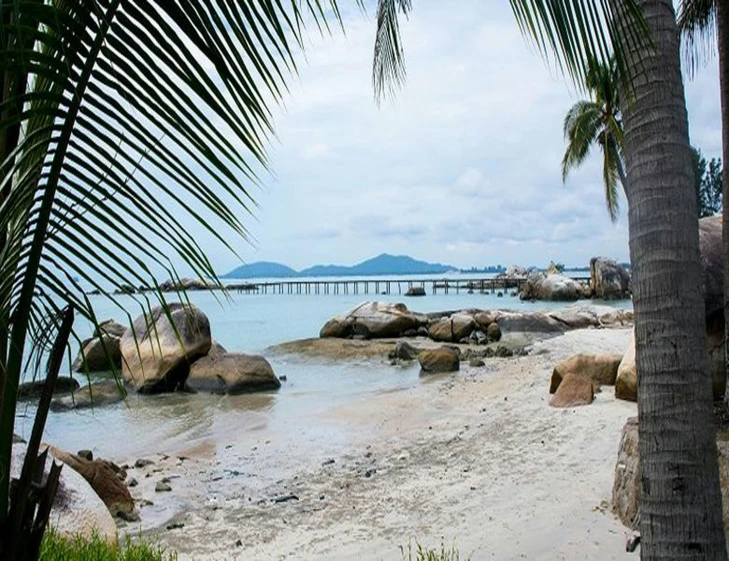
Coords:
476,459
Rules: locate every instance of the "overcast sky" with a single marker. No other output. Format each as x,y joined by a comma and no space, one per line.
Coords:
463,167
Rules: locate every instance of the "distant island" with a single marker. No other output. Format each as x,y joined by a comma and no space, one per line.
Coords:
384,264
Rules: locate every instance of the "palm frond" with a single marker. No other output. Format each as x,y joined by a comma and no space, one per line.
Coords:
388,68
133,120
582,125
697,24
575,32
612,158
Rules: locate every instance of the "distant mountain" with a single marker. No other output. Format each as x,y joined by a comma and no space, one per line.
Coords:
261,269
384,264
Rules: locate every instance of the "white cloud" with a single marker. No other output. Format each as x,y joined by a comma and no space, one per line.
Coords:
461,167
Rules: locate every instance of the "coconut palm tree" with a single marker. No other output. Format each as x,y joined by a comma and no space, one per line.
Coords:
698,21
681,500
121,124
596,121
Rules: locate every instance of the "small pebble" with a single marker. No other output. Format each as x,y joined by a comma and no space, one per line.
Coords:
142,462
162,486
132,483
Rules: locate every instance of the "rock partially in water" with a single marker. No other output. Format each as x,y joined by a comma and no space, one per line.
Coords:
405,351
99,354
64,385
157,356
110,327
551,287
94,395
232,373
373,320
415,291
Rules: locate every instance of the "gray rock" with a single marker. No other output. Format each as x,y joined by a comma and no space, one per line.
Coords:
608,280
99,354
33,390
232,373
158,360
94,395
405,351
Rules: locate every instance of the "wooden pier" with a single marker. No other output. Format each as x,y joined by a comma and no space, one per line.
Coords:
384,287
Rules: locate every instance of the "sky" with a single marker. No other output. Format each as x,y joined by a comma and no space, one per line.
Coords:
461,167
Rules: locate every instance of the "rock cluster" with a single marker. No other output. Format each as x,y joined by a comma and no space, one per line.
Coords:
575,380
552,286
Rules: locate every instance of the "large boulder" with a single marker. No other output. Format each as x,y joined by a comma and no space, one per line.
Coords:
535,322
99,354
551,287
157,355
452,329
77,510
110,327
516,272
601,369
231,373
608,280
374,320
443,359
574,391
103,480
91,395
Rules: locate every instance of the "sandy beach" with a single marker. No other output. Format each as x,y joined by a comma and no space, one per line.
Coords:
476,459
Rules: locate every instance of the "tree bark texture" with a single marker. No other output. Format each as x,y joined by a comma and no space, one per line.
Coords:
681,515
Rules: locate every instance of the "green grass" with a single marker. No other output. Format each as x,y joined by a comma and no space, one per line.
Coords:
59,548
420,553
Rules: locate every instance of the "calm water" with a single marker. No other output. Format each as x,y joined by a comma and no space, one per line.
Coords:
249,323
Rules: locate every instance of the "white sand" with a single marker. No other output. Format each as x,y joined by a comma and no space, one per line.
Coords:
476,459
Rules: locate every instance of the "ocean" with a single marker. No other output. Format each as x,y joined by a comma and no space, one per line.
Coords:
250,323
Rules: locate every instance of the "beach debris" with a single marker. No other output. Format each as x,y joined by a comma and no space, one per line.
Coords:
328,462
162,486
285,499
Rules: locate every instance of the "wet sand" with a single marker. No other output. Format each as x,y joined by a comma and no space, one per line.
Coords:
475,459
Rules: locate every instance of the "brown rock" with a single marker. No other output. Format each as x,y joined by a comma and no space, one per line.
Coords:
626,382
443,359
600,369
485,318
232,373
493,332
103,481
452,329
158,360
64,385
373,320
573,392
99,354
94,395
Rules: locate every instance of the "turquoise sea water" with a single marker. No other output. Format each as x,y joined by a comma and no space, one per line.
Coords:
250,323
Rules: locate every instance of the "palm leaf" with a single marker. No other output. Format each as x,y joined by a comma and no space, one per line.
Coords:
697,24
129,115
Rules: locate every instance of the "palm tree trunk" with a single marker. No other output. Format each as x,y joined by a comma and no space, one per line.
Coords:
681,516
722,32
